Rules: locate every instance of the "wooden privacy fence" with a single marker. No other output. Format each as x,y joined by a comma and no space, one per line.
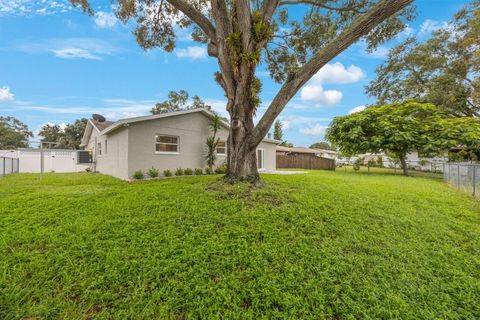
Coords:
305,161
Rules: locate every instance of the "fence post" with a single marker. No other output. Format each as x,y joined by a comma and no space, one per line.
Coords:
473,179
458,176
4,165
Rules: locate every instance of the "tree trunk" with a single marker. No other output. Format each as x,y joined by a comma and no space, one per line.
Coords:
404,165
242,154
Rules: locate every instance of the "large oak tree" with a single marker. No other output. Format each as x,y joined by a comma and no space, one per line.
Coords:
294,38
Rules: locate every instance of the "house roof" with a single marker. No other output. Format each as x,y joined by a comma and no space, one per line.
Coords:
101,125
206,112
297,149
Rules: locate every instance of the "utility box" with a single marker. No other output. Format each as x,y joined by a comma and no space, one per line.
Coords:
84,156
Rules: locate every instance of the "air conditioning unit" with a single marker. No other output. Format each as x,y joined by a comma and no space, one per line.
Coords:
84,156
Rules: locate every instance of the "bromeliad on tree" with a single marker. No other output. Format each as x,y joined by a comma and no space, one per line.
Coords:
243,33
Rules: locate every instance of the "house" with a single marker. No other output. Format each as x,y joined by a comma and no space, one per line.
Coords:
164,141
281,150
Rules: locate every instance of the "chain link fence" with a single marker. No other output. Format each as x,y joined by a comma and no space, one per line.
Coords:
8,165
463,176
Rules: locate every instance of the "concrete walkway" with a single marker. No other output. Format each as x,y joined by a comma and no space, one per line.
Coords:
283,172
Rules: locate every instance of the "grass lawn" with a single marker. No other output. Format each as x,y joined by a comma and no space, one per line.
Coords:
308,246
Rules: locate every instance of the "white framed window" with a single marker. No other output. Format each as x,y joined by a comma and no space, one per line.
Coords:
260,159
221,148
167,144
99,148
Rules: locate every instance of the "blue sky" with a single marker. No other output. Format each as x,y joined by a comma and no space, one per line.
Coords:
58,64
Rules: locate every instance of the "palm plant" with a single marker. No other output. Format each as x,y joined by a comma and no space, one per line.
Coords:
212,141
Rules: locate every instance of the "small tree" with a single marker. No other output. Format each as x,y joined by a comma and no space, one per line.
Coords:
277,131
212,141
401,128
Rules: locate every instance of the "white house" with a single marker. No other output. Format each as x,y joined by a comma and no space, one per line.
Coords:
164,141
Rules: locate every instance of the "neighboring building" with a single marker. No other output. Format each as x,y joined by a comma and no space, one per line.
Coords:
281,150
164,141
329,154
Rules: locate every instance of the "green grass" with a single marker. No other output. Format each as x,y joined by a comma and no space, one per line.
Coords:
308,246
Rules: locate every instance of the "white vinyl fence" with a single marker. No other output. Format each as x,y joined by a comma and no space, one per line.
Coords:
463,176
54,160
8,165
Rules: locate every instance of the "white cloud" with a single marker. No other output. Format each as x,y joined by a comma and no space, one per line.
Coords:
75,53
71,48
105,20
33,7
321,97
193,52
314,130
357,109
429,26
6,94
333,73
336,73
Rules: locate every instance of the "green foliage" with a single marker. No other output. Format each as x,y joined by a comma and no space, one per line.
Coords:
208,170
277,131
249,254
179,172
357,163
167,173
198,171
221,169
400,128
179,101
138,175
445,70
13,133
321,145
188,172
212,141
153,172
69,137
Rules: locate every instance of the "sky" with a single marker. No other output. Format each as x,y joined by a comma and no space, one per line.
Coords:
58,64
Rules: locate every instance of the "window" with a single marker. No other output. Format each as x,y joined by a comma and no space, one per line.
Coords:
106,145
260,159
221,147
99,148
166,144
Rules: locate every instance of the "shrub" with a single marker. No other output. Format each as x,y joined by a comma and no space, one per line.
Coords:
221,170
167,173
208,171
188,172
198,171
380,161
179,172
138,175
357,164
152,172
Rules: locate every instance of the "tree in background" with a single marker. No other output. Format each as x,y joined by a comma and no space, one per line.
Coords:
69,137
293,38
178,101
13,133
400,128
321,145
277,131
445,70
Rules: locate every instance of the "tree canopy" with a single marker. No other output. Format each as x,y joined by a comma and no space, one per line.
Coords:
444,70
321,145
400,128
292,38
178,101
69,137
13,133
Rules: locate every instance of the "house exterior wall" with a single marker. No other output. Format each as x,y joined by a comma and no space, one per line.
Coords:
114,158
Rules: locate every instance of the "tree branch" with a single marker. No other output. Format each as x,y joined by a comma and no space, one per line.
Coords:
196,16
321,5
361,27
